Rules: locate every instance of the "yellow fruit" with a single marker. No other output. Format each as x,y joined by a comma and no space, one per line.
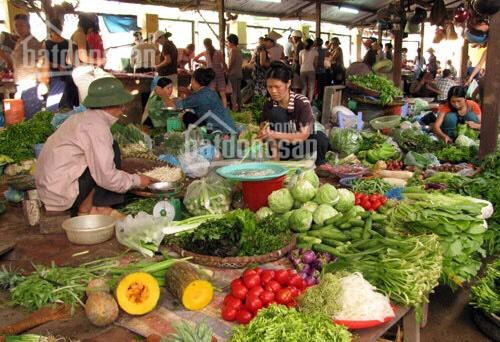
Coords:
138,293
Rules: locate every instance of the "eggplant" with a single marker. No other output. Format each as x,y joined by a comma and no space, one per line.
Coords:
308,257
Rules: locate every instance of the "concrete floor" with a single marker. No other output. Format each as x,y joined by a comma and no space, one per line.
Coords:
449,317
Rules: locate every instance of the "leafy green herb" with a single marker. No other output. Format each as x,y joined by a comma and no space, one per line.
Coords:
455,154
278,323
18,141
184,332
463,129
415,140
485,294
387,90
144,204
256,107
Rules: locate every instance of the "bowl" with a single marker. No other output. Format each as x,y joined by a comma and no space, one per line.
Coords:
162,187
89,229
385,122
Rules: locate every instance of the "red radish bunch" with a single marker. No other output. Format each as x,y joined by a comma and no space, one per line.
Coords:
369,202
258,288
394,165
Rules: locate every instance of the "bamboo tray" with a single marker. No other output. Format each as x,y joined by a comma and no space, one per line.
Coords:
233,262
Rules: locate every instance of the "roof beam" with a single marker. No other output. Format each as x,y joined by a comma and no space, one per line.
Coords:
296,13
346,4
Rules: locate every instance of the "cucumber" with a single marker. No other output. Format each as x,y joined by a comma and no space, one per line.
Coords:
338,219
325,248
352,213
359,209
357,230
356,223
365,214
332,242
308,239
316,226
367,229
345,225
366,244
306,246
328,234
379,217
356,236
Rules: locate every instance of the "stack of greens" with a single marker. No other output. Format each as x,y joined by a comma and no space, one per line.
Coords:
458,222
384,151
457,154
256,108
415,140
405,268
18,141
238,233
279,323
143,204
125,135
386,89
485,294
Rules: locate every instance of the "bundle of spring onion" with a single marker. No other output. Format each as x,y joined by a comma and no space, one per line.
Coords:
405,268
48,285
32,338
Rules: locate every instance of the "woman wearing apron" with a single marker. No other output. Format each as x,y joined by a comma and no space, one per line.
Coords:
287,122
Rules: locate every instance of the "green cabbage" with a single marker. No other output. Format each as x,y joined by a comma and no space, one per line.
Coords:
300,220
310,206
345,141
346,200
311,176
263,213
303,191
286,216
280,201
327,194
464,141
323,213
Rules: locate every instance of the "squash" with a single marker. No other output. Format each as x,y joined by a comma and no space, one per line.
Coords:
101,309
138,293
183,281
97,285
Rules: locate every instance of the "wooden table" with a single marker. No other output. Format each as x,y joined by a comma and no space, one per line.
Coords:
411,328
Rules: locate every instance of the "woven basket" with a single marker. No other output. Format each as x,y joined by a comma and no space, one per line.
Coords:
361,89
233,262
21,182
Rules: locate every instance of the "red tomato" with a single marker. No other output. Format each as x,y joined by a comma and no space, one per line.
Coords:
383,199
266,297
258,270
238,289
284,296
297,282
357,195
266,276
282,277
253,305
366,204
251,280
272,286
249,272
243,316
228,313
232,301
292,303
291,273
376,204
295,291
255,291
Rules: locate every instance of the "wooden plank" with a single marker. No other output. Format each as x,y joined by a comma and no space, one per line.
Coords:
222,26
464,58
490,105
398,46
372,334
6,247
411,327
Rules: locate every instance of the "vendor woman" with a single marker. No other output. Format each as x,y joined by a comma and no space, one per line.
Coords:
79,166
287,122
206,104
155,113
460,112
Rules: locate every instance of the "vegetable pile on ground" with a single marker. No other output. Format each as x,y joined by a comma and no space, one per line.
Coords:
370,186
347,297
458,222
279,323
18,141
259,288
415,140
405,268
386,89
485,293
237,233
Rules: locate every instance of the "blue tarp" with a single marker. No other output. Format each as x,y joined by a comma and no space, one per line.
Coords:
120,23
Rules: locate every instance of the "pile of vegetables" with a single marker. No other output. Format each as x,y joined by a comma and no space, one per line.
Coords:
347,297
139,205
386,89
49,285
258,289
384,151
485,293
18,141
457,154
459,223
415,140
237,233
279,323
370,186
309,264
370,202
405,268
345,141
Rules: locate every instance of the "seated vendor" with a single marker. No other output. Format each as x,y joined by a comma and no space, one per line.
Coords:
459,112
206,103
287,121
155,107
79,166
424,86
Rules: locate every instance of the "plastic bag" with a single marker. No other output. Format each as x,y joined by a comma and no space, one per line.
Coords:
422,161
193,164
209,195
143,233
464,141
472,88
345,141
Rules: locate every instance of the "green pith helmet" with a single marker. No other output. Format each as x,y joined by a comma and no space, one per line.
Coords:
106,92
